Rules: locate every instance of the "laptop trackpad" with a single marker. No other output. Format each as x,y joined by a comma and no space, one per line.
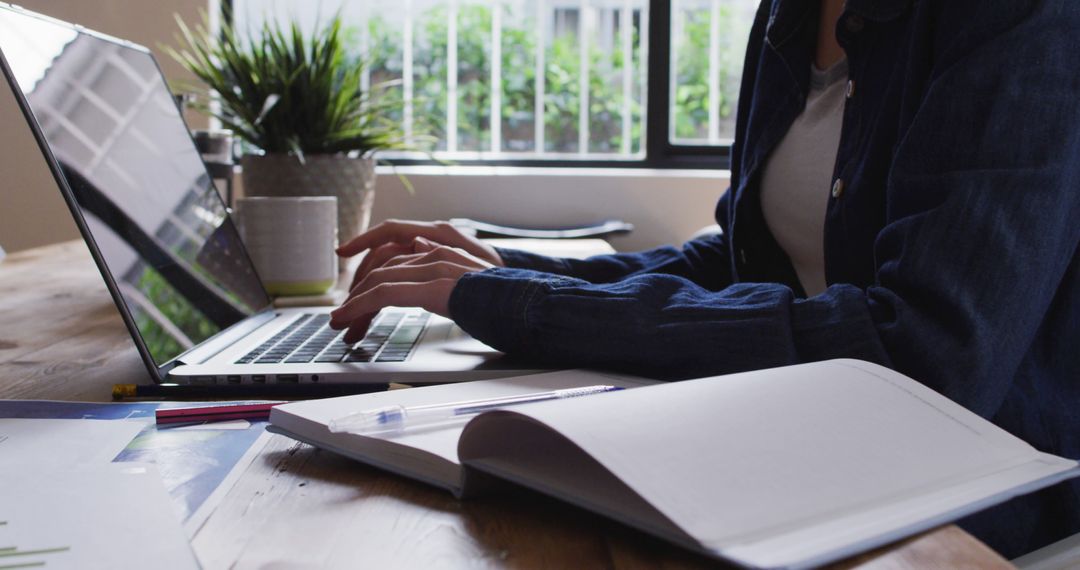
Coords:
456,333
449,338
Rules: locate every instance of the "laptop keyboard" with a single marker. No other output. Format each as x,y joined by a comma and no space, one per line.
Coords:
309,338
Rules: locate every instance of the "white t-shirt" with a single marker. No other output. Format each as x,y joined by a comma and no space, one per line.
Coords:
797,179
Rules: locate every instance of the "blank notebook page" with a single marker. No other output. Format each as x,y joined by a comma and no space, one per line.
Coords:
742,458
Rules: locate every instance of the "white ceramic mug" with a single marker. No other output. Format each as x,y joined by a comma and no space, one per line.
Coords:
291,240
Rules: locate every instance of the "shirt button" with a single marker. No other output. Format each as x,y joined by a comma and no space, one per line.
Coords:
855,24
838,188
850,88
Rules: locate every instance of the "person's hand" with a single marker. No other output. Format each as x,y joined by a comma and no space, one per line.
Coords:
423,278
393,238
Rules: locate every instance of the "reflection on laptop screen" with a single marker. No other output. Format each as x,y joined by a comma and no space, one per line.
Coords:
160,226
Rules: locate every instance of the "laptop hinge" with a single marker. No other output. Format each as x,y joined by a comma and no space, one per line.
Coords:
211,347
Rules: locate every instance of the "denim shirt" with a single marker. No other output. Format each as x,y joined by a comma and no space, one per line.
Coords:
951,235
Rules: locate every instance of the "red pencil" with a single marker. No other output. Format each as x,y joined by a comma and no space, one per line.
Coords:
218,413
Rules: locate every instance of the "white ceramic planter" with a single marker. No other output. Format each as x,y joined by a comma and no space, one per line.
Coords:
351,180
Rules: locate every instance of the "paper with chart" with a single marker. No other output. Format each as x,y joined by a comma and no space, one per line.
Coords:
62,443
109,516
196,466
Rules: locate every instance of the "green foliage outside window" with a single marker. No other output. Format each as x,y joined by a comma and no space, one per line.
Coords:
562,85
691,105
690,112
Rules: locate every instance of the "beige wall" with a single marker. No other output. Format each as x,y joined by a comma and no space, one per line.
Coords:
32,212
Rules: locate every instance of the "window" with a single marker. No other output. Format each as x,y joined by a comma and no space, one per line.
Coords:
568,82
708,43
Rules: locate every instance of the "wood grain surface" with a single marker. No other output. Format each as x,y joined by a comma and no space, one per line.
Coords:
298,507
61,337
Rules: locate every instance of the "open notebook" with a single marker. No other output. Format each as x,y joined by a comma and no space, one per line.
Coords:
788,467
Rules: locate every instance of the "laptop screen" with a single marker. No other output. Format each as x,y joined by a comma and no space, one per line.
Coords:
148,204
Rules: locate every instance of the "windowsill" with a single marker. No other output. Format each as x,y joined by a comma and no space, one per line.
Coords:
542,171
665,205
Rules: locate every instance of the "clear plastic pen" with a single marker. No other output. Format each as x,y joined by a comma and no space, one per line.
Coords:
396,418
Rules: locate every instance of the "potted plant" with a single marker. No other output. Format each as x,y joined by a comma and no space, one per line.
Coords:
296,103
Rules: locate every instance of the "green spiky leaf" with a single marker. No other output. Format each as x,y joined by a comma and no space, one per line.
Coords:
284,91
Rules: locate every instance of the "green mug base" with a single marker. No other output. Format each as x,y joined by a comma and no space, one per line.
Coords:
293,288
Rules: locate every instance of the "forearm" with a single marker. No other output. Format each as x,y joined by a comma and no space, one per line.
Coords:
704,261
662,326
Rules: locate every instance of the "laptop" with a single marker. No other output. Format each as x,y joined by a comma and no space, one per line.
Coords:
163,239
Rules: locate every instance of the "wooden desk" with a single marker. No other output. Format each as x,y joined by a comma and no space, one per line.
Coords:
61,338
